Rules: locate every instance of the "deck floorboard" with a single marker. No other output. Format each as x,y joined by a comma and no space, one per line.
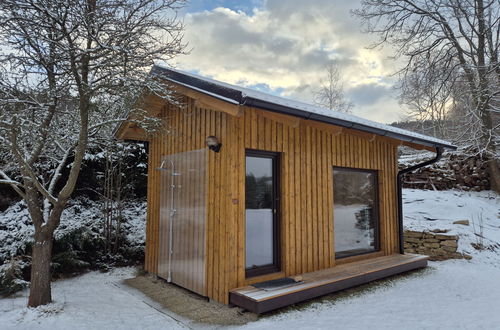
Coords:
325,281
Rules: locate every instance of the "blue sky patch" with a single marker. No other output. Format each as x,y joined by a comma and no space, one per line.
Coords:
244,6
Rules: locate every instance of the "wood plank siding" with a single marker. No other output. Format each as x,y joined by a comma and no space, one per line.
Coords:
308,152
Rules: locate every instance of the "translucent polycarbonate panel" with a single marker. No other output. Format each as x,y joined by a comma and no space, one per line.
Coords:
355,211
183,219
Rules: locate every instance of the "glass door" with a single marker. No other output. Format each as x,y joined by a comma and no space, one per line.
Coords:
261,203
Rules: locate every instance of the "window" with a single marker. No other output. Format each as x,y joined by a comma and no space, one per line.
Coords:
261,211
355,211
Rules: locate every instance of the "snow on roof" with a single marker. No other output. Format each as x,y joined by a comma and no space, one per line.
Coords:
246,96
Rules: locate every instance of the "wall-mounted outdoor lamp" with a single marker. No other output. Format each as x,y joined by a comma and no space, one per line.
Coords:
213,143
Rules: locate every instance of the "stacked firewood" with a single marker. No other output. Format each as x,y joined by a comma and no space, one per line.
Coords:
454,171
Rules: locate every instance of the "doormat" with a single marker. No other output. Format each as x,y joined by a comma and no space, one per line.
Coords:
276,284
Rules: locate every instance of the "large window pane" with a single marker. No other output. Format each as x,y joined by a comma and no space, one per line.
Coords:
260,213
355,212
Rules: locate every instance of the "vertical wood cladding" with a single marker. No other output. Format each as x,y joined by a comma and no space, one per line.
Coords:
308,151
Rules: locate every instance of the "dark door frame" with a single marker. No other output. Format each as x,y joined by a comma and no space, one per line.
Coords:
276,265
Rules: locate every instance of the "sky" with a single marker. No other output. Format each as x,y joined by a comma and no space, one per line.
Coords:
283,47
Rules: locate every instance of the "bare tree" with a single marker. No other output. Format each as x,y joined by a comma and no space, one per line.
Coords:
331,92
429,96
462,39
112,195
68,69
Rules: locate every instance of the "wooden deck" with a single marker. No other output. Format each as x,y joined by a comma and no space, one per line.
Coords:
325,281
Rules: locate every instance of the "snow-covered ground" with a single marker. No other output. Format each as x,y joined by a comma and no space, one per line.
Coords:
91,301
454,294
447,295
428,210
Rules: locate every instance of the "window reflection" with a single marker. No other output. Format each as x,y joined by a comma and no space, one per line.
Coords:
259,183
259,212
355,212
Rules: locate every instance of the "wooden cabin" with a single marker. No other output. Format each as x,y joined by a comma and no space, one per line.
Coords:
261,201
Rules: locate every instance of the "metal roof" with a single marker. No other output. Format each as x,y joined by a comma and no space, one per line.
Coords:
245,96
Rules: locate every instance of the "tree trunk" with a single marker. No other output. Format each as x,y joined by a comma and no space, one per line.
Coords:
40,290
494,171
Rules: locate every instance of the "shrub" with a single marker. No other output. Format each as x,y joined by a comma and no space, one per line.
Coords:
79,242
11,276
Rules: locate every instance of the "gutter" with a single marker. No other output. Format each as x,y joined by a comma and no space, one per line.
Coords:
228,93
439,153
250,101
339,122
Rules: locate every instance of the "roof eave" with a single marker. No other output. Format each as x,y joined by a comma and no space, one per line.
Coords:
339,122
236,96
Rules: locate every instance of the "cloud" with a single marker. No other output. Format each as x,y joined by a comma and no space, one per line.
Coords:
368,94
285,45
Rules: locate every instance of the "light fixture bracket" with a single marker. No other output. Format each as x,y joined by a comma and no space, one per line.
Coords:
213,143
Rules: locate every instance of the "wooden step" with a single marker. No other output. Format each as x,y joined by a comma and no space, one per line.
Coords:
325,281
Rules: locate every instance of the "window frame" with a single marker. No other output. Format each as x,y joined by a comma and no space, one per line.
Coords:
276,265
376,210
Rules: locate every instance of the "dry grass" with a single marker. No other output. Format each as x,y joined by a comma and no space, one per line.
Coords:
200,310
189,305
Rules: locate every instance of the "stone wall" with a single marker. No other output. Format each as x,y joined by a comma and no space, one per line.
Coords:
436,244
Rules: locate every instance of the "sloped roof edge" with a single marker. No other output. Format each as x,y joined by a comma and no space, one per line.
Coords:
245,96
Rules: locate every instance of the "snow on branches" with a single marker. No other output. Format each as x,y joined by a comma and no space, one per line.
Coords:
450,51
69,71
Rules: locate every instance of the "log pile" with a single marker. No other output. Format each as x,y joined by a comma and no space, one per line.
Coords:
454,171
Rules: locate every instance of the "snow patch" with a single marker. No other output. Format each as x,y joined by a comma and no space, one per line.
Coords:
428,210
91,301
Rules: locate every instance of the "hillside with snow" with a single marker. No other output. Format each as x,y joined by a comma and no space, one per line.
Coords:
453,294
